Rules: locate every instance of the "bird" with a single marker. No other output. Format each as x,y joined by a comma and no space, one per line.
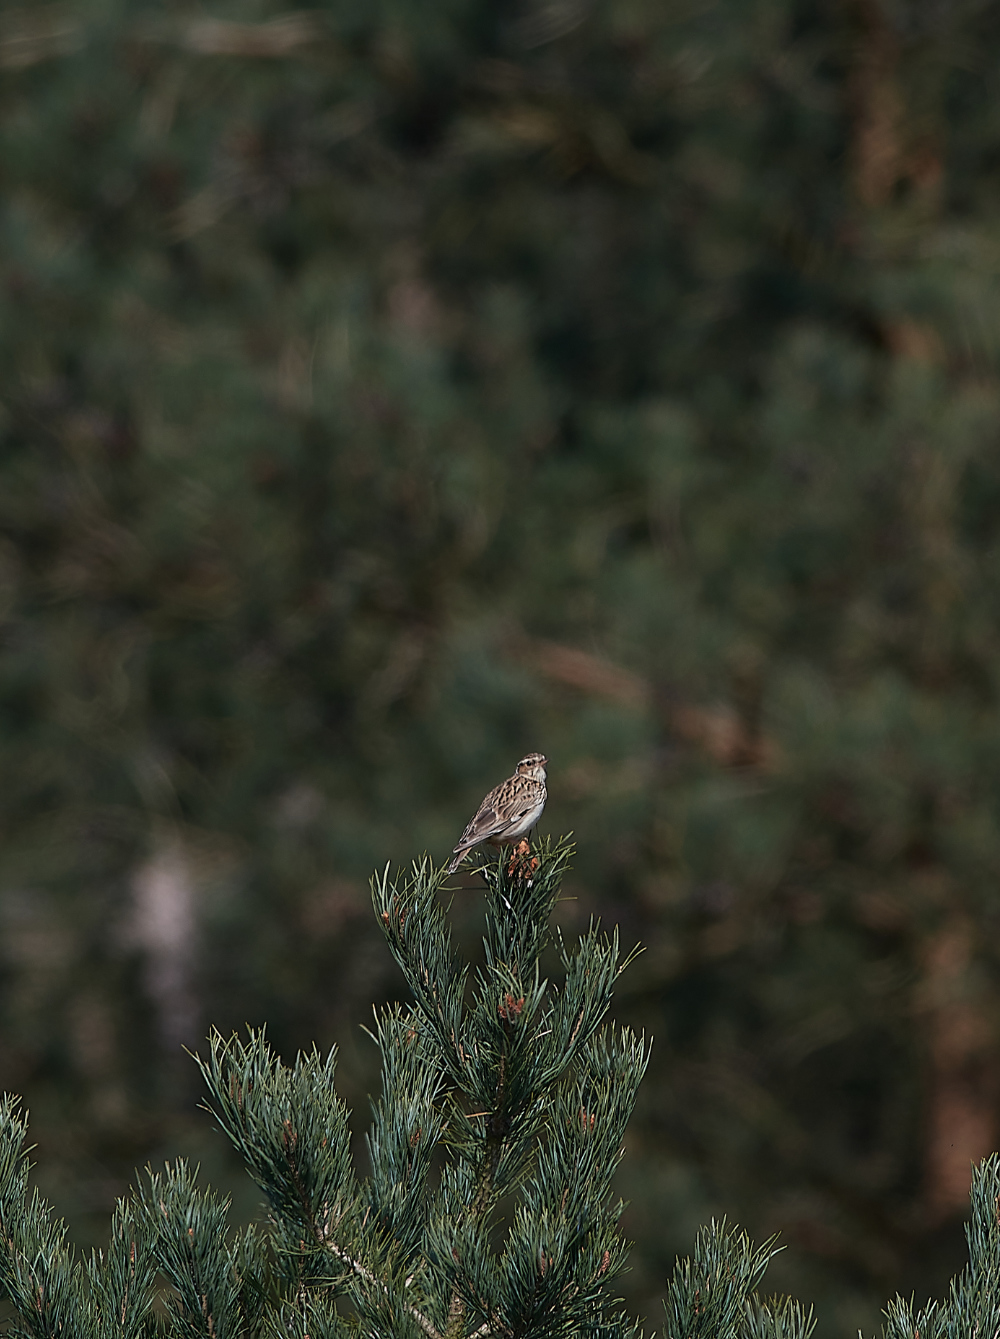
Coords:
509,811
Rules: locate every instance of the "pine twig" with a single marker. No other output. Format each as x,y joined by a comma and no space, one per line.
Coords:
369,1277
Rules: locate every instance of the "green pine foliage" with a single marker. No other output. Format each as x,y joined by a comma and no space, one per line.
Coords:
972,1306
487,1210
715,1292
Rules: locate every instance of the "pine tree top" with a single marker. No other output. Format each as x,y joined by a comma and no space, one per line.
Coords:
486,1210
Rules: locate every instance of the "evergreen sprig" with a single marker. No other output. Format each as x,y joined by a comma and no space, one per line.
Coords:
292,1130
419,938
37,1268
972,1307
407,1123
714,1292
188,1227
119,1279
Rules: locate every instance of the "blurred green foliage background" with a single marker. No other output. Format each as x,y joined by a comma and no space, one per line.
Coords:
390,387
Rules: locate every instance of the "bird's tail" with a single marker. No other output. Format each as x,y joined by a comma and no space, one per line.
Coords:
455,861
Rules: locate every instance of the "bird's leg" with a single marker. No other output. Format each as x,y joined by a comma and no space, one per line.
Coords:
530,860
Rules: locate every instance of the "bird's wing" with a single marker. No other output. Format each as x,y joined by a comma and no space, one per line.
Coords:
503,807
486,824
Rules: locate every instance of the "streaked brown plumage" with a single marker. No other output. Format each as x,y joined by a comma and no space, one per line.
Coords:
509,811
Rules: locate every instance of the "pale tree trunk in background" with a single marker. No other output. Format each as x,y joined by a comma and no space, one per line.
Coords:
163,926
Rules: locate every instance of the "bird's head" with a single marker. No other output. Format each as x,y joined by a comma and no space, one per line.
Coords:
533,765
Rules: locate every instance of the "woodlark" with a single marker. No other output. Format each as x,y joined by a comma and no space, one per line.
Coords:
509,811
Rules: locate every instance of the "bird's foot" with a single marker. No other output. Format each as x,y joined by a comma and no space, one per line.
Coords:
522,863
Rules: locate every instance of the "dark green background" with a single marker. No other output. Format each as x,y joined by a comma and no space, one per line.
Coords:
389,389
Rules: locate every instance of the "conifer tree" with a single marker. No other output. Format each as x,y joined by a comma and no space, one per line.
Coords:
487,1209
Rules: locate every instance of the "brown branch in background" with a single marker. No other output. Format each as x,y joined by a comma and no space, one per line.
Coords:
915,341
876,105
888,144
283,36
590,673
963,1081
718,730
32,34
36,33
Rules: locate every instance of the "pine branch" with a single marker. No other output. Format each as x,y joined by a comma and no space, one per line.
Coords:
712,1293
38,1273
188,1227
407,1123
419,938
972,1308
292,1130
120,1279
